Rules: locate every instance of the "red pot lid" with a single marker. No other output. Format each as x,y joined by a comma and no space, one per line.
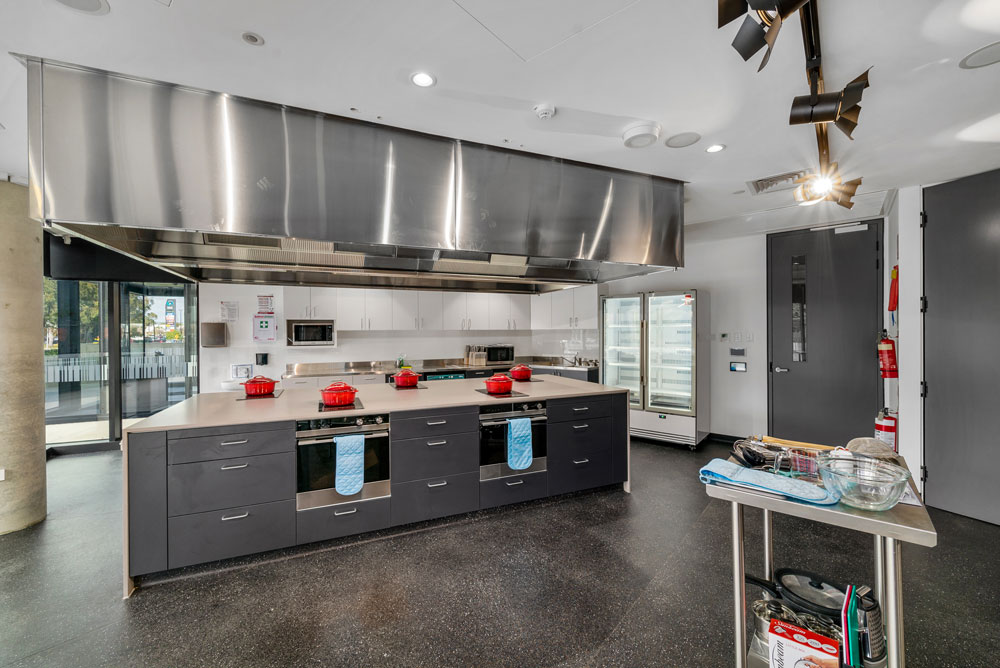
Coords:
406,373
339,386
521,367
258,380
498,377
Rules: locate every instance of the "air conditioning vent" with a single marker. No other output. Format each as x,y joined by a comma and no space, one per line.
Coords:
776,183
213,239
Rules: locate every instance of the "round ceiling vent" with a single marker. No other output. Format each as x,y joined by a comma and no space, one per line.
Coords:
988,55
252,38
641,134
683,140
87,6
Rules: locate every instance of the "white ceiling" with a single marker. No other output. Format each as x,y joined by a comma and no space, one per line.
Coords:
602,63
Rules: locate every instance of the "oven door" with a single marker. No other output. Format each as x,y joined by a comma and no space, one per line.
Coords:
317,470
493,448
502,354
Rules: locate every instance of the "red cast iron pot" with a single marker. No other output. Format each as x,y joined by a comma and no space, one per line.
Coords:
338,394
259,385
406,378
499,384
521,372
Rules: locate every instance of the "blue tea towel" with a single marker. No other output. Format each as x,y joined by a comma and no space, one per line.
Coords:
350,464
720,470
519,452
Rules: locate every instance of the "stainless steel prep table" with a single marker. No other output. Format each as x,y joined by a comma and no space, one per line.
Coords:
901,524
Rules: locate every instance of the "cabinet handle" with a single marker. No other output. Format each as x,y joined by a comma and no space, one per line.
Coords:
235,517
231,467
580,426
437,423
362,322
581,461
345,512
369,323
437,484
515,482
581,409
416,323
237,442
435,443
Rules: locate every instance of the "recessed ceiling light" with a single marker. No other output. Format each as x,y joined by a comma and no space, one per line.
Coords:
988,55
87,6
252,38
715,148
641,134
683,140
423,79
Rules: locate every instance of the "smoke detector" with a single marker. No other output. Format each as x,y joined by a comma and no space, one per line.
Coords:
544,111
641,134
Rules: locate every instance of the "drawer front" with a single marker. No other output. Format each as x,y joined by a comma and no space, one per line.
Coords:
579,437
433,425
344,519
299,383
226,483
437,497
577,409
221,534
227,446
569,474
480,373
419,458
514,489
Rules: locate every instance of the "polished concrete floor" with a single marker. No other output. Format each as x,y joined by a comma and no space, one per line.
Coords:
596,579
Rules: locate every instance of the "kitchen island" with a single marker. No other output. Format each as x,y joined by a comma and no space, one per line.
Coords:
220,476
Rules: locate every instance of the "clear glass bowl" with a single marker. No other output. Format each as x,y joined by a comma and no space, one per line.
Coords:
863,482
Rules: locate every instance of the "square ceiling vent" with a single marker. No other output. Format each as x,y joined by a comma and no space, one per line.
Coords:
776,183
529,28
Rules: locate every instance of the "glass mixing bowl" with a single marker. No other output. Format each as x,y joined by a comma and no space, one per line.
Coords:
863,482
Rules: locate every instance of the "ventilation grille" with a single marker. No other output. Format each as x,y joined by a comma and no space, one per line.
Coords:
776,183
214,239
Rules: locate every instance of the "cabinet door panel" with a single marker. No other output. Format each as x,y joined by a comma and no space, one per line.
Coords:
541,311
296,302
405,310
324,303
499,311
585,303
478,310
520,311
562,309
455,310
378,309
351,306
431,310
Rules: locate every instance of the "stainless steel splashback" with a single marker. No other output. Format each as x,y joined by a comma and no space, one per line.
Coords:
218,187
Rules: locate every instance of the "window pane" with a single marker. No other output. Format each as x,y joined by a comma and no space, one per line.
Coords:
799,308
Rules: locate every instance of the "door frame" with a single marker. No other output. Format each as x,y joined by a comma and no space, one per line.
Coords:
881,223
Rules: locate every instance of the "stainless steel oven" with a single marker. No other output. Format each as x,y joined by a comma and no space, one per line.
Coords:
493,425
311,332
316,455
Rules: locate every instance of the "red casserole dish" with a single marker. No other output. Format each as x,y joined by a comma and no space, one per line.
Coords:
338,394
258,386
406,378
521,372
499,384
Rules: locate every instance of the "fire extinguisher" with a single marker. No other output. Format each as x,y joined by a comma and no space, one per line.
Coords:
887,356
885,428
894,293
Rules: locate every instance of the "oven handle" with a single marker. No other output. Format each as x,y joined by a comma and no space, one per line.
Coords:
540,418
319,441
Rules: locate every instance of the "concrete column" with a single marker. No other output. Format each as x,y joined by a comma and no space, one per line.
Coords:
22,408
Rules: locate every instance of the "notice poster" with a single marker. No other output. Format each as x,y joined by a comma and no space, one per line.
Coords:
229,311
264,329
265,304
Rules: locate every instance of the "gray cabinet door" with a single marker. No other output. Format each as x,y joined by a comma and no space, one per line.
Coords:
343,519
580,437
147,502
513,489
433,425
229,445
222,534
561,410
436,497
619,437
225,483
571,473
419,458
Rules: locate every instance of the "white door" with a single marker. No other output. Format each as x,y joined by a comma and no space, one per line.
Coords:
378,309
520,311
541,311
562,309
351,307
405,310
478,310
324,303
454,310
499,311
296,302
431,307
585,307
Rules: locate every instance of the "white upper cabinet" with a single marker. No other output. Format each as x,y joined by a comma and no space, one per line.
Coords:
541,311
575,308
378,309
478,310
454,310
431,308
499,311
296,303
405,310
351,307
562,309
324,303
520,311
585,307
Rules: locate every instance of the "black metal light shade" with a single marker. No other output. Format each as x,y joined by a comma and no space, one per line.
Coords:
753,35
841,108
730,10
750,39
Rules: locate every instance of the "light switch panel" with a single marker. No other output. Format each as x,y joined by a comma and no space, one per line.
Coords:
748,337
737,337
240,371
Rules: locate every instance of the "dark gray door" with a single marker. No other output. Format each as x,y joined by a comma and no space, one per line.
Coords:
961,334
824,318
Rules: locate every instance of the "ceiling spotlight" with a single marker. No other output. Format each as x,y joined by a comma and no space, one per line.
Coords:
753,36
826,186
641,134
842,108
97,7
252,38
683,140
715,148
422,79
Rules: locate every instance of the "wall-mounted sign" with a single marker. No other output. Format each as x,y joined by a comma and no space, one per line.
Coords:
265,329
265,303
229,311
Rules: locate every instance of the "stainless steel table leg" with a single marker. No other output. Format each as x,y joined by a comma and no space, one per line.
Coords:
768,547
739,588
892,563
880,571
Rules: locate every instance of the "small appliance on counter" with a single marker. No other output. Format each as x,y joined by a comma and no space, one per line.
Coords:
311,333
499,353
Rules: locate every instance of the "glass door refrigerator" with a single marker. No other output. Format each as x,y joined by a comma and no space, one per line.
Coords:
650,347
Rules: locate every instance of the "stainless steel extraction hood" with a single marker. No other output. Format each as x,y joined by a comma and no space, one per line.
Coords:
215,187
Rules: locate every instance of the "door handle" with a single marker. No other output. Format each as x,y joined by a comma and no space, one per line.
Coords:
416,323
231,467
345,512
779,369
437,484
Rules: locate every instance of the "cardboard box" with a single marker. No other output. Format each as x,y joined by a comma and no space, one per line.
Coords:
792,647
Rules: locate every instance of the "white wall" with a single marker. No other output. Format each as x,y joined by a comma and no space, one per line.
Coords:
734,274
909,433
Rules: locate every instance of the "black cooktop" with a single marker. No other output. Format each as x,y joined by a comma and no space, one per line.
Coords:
323,408
506,395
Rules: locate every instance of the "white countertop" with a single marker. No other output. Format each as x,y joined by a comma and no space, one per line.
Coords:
219,409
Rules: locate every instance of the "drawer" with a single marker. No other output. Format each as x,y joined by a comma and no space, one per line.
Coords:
437,497
569,474
579,437
574,409
299,383
343,519
513,489
229,445
221,534
480,373
434,425
226,483
419,458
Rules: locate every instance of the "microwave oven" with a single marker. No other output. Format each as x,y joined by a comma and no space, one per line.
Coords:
499,353
311,333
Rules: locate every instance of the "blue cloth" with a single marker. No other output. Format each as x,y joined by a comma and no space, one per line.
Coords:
720,470
350,464
519,451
